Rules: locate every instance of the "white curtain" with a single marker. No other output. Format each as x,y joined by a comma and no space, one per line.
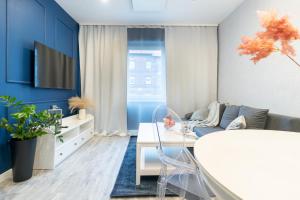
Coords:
191,56
103,65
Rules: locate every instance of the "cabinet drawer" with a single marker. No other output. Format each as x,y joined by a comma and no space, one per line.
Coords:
71,146
85,136
66,150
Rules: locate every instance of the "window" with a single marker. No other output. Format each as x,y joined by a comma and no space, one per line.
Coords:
131,65
131,80
145,75
148,65
148,81
147,78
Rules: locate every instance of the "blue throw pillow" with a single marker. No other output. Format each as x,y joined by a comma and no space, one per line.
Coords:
231,112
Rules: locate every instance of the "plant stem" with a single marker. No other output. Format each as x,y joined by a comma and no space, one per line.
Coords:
290,57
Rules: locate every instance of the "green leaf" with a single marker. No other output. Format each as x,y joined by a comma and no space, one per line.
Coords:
27,123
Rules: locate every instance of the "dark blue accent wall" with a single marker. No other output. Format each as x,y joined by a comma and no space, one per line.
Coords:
21,23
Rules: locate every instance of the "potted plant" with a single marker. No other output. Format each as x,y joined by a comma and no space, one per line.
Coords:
80,104
24,127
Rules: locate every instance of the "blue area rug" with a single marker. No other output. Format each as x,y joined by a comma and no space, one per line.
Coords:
125,183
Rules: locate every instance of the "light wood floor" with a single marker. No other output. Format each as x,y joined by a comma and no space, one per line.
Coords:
89,174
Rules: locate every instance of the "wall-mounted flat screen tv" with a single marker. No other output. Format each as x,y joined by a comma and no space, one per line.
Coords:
52,69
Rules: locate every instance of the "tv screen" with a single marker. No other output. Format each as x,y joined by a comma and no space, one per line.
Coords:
52,69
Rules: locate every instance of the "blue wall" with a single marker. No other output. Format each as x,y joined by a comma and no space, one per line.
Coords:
22,22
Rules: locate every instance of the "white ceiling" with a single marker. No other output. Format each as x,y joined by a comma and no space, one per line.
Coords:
177,12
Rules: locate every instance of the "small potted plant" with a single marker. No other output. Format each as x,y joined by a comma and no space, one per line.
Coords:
80,104
24,127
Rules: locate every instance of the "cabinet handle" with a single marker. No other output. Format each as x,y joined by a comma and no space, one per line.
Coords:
75,144
61,154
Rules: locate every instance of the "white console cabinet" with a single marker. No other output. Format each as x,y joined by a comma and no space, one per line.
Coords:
50,151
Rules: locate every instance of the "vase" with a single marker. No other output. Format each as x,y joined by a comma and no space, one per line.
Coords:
23,153
82,114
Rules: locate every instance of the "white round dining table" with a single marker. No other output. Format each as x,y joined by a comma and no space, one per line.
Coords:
251,164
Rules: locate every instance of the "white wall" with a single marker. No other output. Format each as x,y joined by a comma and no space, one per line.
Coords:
272,83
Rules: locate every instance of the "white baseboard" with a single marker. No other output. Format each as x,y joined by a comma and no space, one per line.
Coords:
133,132
6,175
111,134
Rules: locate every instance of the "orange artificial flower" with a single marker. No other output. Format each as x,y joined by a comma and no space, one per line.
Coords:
169,122
259,48
277,29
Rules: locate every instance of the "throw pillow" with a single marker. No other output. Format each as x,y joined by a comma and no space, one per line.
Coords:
231,112
200,114
255,118
222,109
188,116
238,123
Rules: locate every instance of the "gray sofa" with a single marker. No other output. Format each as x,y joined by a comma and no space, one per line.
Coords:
274,122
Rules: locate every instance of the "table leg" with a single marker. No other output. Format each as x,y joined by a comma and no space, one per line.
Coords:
138,164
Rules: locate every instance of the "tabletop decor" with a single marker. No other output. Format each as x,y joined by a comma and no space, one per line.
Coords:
24,126
277,36
169,122
80,104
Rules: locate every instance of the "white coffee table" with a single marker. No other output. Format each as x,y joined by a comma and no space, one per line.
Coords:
147,161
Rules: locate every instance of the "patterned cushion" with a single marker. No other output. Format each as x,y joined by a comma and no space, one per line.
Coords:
238,123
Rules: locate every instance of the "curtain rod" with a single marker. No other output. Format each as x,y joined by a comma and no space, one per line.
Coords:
153,25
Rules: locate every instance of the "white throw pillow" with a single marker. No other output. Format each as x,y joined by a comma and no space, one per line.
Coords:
200,114
237,123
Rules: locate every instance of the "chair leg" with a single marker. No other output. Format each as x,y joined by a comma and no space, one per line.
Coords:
161,189
162,183
184,183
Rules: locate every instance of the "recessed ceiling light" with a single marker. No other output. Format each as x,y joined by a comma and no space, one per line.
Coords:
104,1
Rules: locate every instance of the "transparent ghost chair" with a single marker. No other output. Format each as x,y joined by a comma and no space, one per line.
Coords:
180,172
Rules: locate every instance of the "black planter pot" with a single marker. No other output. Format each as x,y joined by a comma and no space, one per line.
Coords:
23,153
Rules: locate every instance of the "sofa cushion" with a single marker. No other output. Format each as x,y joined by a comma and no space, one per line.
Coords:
222,109
188,116
200,114
231,112
238,123
201,131
283,123
255,118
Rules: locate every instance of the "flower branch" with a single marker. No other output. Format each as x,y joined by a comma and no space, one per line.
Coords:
277,30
